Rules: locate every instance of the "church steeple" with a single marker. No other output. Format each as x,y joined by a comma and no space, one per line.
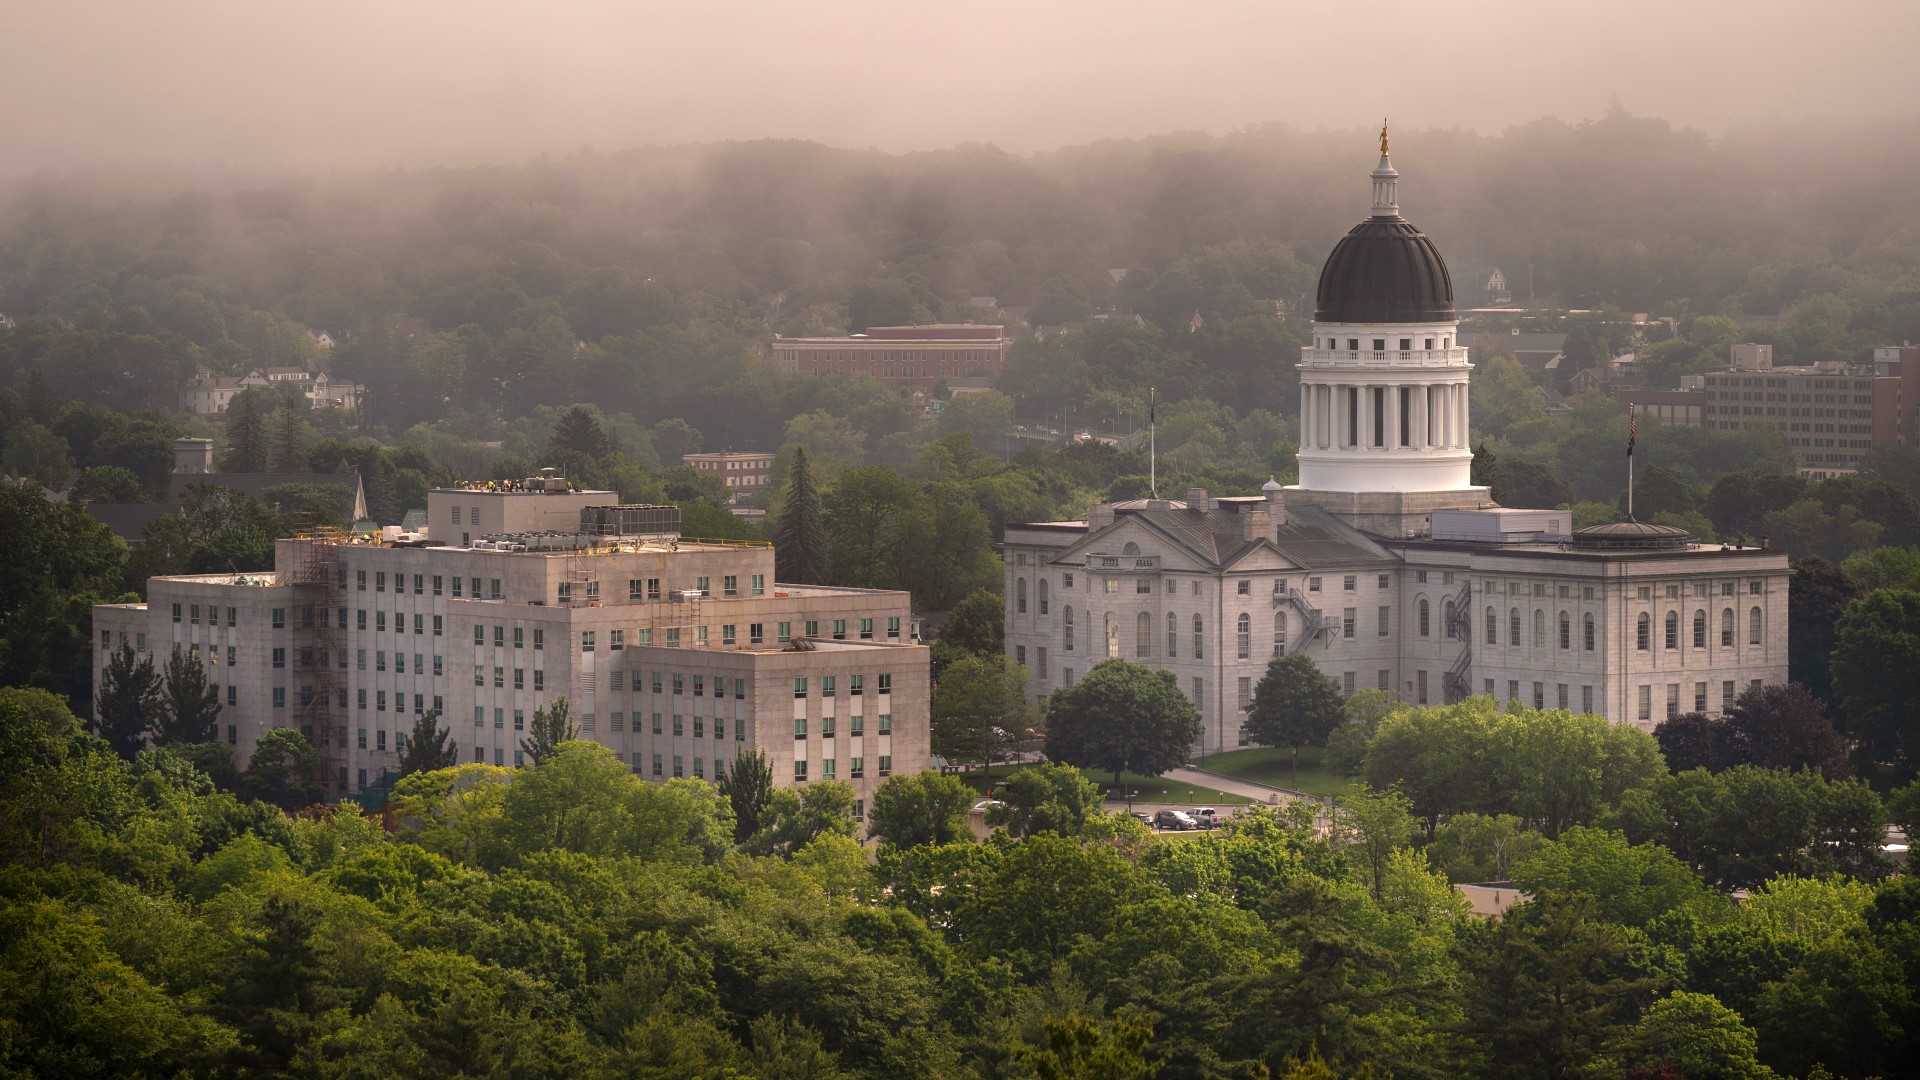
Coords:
1386,182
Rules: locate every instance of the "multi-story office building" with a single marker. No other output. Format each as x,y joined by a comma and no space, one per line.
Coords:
745,472
675,654
1385,564
919,355
1825,410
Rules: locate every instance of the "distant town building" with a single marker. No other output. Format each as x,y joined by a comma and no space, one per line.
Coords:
1497,291
1826,410
322,339
900,354
675,654
745,472
1685,407
207,394
1535,351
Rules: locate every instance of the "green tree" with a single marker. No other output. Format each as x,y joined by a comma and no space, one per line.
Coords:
795,818
247,446
748,786
1374,824
190,710
131,703
428,747
1047,797
863,515
578,437
926,809
34,452
1876,675
108,484
1633,883
283,770
1122,717
60,561
978,624
1082,1047
290,437
799,537
1696,1036
549,727
1471,848
1294,704
979,711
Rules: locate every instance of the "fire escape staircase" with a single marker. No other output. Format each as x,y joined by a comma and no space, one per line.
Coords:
1314,622
1458,680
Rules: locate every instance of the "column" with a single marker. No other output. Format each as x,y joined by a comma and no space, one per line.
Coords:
1460,408
1366,417
1418,401
1443,416
1306,415
1390,434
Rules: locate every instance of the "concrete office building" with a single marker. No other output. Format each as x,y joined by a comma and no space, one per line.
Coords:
745,472
675,654
1385,564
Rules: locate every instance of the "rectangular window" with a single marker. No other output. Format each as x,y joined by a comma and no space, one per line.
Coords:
656,723
1386,614
1349,583
1420,687
519,720
1673,700
866,629
616,640
499,637
800,771
539,679
799,686
783,631
586,641
755,635
437,662
883,724
1513,690
699,686
479,675
893,621
456,587
633,589
813,628
884,683
886,765
1646,703
380,581
653,593
539,638
519,678
719,727
1700,697
438,626
656,764
479,634
1586,699
828,684
759,584
380,622
726,634
279,658
499,719
1346,622
279,697
360,580
436,584
1726,696
730,586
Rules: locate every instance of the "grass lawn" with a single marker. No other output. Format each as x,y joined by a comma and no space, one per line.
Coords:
1146,789
1274,765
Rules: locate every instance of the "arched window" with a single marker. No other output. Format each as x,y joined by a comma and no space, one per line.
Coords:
1586,631
1199,643
1043,596
1753,627
1513,627
1446,618
1066,628
1643,633
1424,630
1279,633
1726,627
1131,549
1493,628
1673,629
1173,635
1020,596
1243,635
1566,631
1700,629
1113,636
1143,635
1539,629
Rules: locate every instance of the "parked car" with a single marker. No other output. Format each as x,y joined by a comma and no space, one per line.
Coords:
1207,816
1174,819
1143,817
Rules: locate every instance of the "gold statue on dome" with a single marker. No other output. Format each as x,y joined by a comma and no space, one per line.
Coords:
1383,136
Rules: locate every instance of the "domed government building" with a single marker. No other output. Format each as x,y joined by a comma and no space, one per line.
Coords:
1385,564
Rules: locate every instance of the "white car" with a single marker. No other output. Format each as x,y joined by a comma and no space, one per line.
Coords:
1207,816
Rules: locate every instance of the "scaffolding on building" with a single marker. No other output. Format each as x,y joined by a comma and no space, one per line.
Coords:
318,580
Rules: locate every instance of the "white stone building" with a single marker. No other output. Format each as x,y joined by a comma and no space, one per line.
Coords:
675,654
1386,565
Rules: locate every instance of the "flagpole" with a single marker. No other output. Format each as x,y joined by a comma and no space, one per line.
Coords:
1153,448
1633,424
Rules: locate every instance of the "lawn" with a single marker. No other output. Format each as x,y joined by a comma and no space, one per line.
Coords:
1146,789
1274,765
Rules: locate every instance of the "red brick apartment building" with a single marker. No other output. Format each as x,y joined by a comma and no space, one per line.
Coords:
901,354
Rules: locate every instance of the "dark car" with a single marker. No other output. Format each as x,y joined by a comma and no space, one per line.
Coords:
1174,819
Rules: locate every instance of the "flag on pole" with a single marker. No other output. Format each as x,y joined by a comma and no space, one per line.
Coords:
1150,404
1633,428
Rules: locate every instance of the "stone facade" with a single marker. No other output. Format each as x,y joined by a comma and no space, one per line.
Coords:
350,642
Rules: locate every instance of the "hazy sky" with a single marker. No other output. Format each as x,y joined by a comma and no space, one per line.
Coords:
350,83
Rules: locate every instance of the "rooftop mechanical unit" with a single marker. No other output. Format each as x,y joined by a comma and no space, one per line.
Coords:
634,520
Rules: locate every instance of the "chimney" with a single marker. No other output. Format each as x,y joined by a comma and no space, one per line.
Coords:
1196,498
1276,507
1256,523
1099,517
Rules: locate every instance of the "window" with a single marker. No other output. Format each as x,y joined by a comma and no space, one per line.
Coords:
1243,588
1279,633
1493,627
893,628
1673,700
1672,623
1243,635
1586,631
1586,699
1726,627
886,765
1753,625
586,641
1699,629
839,629
1566,632
1349,583
539,679
1313,584
1646,702
883,724
1143,635
280,659
499,637
1726,696
279,697
1043,596
1422,615
799,686
799,770
1513,627
1700,696
1643,634
1020,596
1142,586
1539,696
1199,643
1386,617
758,586
1384,581
539,638
279,618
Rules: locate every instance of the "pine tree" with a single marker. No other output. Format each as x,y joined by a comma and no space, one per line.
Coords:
551,726
246,437
427,748
289,440
577,435
748,786
800,539
192,704
131,702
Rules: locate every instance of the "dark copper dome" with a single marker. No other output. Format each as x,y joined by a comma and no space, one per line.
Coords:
1384,271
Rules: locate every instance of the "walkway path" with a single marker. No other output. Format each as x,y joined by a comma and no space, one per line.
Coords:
1233,785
